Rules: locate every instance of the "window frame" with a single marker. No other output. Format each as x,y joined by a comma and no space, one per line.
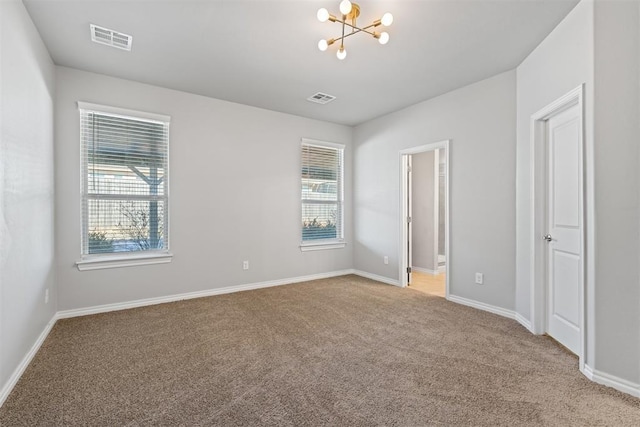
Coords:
333,243
120,259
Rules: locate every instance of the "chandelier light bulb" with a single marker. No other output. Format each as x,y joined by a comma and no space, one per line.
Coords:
345,7
386,20
341,54
384,38
323,15
323,45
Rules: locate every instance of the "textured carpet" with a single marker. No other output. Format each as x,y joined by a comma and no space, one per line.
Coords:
346,351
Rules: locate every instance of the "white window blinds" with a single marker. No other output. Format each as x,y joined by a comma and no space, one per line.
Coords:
124,181
322,192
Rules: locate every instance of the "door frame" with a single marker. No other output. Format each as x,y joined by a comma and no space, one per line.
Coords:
436,210
404,229
538,210
408,206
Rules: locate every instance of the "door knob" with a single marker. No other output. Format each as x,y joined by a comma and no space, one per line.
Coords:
547,238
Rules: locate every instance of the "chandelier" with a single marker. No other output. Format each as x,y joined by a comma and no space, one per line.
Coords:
350,12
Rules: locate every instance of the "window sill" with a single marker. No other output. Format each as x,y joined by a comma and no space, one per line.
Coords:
320,246
100,262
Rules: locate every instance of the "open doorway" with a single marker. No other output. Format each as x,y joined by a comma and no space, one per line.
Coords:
425,218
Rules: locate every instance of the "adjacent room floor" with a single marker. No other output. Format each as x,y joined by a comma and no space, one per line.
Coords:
432,284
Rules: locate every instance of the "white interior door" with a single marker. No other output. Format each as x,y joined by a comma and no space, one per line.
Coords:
564,225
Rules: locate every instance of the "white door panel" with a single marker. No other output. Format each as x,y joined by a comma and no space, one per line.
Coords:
564,222
566,268
566,170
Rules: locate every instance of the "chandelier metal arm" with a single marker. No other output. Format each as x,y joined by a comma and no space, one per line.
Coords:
340,39
363,29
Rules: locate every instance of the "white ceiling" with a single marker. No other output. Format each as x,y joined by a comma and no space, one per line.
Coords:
264,53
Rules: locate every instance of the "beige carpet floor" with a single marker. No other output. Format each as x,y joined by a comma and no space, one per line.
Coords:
346,351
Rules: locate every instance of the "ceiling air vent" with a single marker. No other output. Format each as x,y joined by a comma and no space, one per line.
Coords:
321,98
110,38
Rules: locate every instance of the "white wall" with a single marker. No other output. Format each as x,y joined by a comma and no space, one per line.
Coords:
562,62
225,154
597,45
234,194
617,188
479,119
27,80
423,211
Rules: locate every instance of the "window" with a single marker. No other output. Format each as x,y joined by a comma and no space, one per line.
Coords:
322,195
124,162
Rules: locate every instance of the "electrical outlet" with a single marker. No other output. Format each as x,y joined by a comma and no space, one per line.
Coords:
386,259
46,296
479,278
245,265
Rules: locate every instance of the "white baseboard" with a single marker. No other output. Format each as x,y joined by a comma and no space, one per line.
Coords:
376,277
197,294
425,271
493,309
482,306
611,381
524,322
64,314
587,371
594,375
17,373
13,380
